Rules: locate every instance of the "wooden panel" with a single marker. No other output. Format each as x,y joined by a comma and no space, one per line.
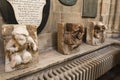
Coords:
89,8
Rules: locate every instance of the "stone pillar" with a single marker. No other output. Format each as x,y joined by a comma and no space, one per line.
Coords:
105,11
111,17
114,22
96,33
116,27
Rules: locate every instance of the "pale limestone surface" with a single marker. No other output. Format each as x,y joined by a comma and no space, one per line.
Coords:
60,13
20,45
96,33
54,58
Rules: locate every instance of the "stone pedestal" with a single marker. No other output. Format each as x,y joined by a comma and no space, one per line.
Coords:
20,45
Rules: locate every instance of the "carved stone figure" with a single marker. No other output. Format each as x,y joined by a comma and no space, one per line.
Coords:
20,46
69,37
96,33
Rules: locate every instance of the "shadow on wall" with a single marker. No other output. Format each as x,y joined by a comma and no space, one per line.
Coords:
84,36
1,40
1,48
119,26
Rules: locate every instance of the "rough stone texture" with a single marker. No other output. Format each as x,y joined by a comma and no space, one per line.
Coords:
69,37
116,27
54,59
73,14
20,45
96,33
60,13
113,19
47,41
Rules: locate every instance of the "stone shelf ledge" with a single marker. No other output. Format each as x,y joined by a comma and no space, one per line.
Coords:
51,58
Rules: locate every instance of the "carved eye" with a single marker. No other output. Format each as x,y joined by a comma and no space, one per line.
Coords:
97,28
14,45
103,27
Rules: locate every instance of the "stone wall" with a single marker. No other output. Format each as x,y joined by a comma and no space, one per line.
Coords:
62,14
117,17
114,19
107,9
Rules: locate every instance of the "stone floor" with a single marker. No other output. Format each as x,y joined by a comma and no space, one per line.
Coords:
113,74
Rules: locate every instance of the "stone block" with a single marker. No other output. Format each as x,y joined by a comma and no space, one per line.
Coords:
20,45
96,33
69,37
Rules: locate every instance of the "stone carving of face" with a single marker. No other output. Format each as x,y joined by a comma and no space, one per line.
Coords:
98,31
73,35
21,39
21,47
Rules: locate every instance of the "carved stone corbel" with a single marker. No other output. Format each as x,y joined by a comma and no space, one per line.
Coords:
96,33
69,37
20,45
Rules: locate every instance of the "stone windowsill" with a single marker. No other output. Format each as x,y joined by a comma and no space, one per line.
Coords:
51,58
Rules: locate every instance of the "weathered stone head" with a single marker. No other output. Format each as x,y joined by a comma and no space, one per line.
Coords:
73,35
99,30
20,46
96,33
69,37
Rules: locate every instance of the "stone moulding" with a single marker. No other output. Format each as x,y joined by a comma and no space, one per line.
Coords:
69,37
20,45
